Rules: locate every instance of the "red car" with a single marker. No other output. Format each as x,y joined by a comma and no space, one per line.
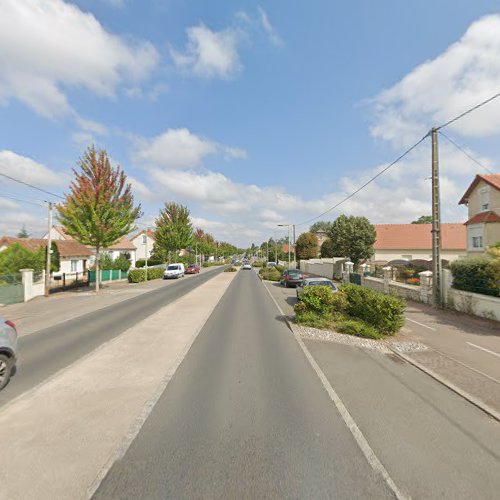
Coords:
192,269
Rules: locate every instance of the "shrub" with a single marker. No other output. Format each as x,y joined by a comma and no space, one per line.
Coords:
383,312
319,299
231,269
340,302
477,274
270,274
314,319
358,328
258,264
122,263
279,268
139,275
151,262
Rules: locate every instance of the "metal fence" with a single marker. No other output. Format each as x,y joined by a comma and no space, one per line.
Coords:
11,289
109,275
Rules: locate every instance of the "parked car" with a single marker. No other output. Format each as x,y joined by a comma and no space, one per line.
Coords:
192,269
8,350
174,271
315,282
246,266
291,277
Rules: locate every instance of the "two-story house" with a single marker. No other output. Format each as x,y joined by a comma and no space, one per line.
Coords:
483,202
143,242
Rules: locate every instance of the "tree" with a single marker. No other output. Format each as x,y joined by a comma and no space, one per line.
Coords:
16,257
174,230
423,219
306,246
327,249
353,237
99,209
54,257
23,233
321,226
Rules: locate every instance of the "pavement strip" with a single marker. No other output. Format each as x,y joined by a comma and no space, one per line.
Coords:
363,444
63,436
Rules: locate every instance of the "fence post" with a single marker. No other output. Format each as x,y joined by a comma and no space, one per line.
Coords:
425,286
349,268
387,278
446,284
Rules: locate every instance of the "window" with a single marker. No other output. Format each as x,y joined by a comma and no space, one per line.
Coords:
475,234
144,239
477,242
484,199
74,266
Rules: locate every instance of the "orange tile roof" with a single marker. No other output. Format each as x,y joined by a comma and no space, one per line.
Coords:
484,217
67,248
151,234
419,236
122,244
491,179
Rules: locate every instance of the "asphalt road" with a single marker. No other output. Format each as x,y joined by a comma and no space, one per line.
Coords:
47,351
245,416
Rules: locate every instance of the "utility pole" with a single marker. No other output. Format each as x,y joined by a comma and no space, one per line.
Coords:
49,249
276,252
288,246
146,260
436,223
294,254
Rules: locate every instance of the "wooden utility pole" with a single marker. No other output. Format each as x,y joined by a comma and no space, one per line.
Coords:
49,249
436,224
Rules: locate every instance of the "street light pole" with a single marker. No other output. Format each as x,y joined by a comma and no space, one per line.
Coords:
287,225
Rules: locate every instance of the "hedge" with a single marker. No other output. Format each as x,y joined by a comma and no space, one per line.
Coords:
270,274
231,269
138,275
151,262
477,274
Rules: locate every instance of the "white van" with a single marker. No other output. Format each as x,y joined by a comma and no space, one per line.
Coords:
174,271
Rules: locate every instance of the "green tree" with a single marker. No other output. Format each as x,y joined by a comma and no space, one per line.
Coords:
23,233
16,257
174,230
99,209
321,226
306,246
353,237
54,257
327,249
423,219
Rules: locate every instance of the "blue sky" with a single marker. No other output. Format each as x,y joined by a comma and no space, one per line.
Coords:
252,114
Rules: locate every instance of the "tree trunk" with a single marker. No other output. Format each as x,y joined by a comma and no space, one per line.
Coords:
97,270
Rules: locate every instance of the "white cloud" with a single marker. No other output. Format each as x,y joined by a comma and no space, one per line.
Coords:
463,75
47,46
92,126
28,170
209,54
180,148
271,32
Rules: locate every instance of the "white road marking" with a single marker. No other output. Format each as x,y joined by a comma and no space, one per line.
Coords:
421,324
483,349
366,449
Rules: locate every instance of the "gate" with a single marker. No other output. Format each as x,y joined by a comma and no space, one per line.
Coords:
11,289
355,278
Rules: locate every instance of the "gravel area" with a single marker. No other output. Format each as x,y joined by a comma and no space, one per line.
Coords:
383,346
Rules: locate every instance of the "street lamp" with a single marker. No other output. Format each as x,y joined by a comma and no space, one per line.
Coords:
287,225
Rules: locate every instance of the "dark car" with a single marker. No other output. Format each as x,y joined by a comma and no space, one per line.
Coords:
292,277
315,282
192,269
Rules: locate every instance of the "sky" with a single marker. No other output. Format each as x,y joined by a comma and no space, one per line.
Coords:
252,114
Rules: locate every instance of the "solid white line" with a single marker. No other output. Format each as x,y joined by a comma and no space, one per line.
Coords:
421,324
367,451
483,349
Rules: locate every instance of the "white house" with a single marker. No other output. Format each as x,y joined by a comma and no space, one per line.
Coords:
143,242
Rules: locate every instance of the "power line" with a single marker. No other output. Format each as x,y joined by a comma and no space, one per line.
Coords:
2,195
31,186
399,158
470,110
477,162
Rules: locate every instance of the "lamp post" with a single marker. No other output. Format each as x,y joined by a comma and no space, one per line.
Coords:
287,225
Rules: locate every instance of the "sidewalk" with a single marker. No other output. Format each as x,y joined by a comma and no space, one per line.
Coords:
43,312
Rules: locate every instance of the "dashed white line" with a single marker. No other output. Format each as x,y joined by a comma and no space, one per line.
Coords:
421,324
483,349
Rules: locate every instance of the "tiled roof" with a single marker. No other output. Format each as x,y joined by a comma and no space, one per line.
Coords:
419,237
484,217
491,179
150,233
67,248
123,244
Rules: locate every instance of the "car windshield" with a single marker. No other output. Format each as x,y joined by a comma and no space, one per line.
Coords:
173,267
294,273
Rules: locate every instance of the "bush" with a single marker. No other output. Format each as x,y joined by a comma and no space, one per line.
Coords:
319,299
258,264
151,262
270,274
139,275
383,312
340,302
477,274
314,319
122,263
279,268
358,328
231,269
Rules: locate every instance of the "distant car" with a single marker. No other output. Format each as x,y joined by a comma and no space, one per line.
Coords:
246,266
315,282
192,269
174,271
271,264
291,277
8,350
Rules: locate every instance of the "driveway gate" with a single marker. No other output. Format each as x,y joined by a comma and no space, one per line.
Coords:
11,289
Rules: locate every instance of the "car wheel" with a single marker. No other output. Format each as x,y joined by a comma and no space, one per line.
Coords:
5,370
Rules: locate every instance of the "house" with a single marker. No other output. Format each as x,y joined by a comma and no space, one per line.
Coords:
122,247
482,199
73,256
414,241
143,242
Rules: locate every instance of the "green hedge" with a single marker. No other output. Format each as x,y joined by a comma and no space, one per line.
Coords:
383,312
138,275
477,274
231,269
258,264
269,274
151,262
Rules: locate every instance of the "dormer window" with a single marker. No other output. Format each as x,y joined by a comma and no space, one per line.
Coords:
484,199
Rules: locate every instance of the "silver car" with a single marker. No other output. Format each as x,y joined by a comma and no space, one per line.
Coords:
8,350
315,282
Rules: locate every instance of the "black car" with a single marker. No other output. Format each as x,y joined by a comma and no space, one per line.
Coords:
292,277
